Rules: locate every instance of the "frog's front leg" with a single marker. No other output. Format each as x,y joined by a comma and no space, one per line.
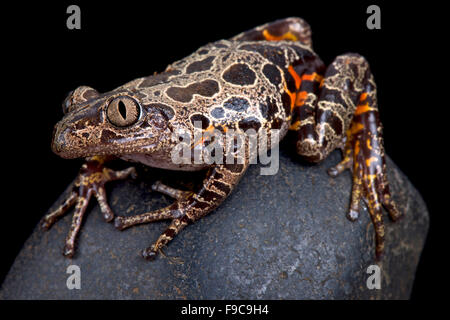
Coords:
341,106
90,181
189,207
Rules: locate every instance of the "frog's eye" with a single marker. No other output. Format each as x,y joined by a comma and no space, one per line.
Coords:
123,111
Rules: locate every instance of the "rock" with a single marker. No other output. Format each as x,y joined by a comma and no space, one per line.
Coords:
284,236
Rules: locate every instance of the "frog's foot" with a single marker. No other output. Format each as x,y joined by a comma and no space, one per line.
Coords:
173,212
174,228
90,181
179,221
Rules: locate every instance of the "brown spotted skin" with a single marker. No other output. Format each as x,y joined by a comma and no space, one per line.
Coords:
266,78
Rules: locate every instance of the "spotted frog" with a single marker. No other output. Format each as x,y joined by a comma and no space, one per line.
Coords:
264,79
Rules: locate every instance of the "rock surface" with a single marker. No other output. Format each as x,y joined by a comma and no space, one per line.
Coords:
276,237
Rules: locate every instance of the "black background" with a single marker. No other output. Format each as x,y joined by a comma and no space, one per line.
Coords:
117,43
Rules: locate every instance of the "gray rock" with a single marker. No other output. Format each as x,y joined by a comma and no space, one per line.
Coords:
276,237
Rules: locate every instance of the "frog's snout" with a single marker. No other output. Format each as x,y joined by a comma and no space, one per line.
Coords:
58,140
69,140
60,144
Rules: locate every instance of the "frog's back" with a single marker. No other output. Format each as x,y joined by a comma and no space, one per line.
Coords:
232,84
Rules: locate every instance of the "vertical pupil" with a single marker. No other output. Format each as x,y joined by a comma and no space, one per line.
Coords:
122,109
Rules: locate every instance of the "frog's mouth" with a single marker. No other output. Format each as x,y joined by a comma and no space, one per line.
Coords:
149,150
73,150
70,144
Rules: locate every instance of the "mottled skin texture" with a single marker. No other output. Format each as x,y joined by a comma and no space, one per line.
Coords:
266,78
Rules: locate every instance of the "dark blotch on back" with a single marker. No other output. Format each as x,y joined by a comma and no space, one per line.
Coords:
268,109
239,74
249,123
286,103
237,104
273,54
200,118
201,65
206,88
272,74
218,113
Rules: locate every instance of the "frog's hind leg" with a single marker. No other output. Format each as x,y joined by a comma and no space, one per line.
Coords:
290,29
189,207
348,162
342,106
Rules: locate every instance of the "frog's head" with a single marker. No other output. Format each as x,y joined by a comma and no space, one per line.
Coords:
115,123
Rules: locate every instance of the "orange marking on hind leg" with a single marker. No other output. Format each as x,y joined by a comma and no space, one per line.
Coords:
312,77
363,96
301,98
296,77
286,36
363,108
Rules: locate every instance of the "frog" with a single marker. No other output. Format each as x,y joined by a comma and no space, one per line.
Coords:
266,79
